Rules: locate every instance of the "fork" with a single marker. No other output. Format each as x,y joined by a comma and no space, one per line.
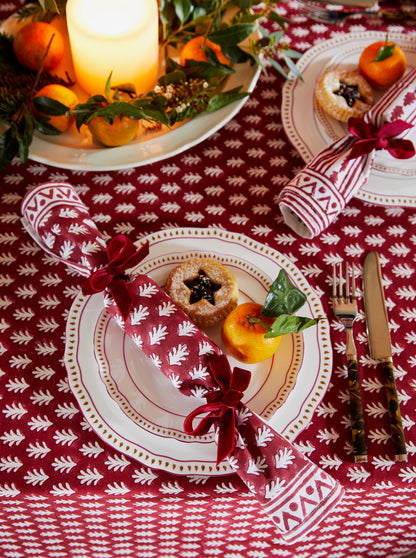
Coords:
324,15
344,305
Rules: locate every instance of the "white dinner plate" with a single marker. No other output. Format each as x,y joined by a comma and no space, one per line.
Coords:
77,151
131,405
310,129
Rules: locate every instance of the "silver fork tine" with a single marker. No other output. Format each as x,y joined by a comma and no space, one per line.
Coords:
325,15
345,309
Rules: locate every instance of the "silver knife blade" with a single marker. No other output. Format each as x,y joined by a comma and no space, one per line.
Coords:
379,342
380,346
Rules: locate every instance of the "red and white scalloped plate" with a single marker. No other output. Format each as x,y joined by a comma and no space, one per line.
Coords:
131,405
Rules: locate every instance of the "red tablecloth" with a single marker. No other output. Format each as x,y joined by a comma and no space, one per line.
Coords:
65,493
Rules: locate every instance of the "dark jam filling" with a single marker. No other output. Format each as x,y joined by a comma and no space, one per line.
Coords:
202,287
349,92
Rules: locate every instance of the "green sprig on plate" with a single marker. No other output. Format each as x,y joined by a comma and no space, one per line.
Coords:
282,301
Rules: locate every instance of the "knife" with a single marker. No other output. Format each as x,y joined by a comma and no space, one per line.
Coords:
379,344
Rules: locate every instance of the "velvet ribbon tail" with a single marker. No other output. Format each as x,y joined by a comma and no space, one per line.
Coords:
221,405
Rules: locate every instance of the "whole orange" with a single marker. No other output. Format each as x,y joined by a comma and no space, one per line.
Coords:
120,132
194,50
63,95
245,340
383,73
31,42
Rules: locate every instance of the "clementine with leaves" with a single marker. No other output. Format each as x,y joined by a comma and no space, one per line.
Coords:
62,95
122,130
382,64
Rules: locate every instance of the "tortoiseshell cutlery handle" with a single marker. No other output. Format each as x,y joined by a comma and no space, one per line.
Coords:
396,426
359,446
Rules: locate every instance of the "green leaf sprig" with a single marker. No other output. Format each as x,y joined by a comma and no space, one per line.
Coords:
386,51
282,301
183,92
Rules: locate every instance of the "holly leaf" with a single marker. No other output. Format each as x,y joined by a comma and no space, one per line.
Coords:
283,297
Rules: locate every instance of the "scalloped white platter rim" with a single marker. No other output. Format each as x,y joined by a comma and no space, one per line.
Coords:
75,150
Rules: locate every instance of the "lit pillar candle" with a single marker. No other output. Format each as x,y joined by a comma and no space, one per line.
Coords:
118,36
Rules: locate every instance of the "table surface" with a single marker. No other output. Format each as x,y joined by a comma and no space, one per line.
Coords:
65,492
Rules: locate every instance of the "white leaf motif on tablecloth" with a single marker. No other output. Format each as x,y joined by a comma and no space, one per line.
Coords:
148,290
89,477
62,490
186,329
139,314
255,467
39,423
65,437
178,354
156,360
359,474
171,488
117,488
144,476
284,458
36,477
117,462
274,488
383,463
166,309
158,334
37,450
63,464
10,464
12,438
199,373
138,340
263,436
7,491
205,348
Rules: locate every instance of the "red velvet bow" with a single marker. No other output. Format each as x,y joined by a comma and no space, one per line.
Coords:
221,405
370,137
122,254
